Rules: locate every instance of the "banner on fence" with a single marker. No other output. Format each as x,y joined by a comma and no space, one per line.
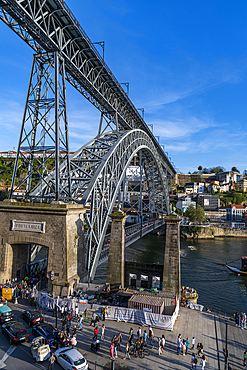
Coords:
115,313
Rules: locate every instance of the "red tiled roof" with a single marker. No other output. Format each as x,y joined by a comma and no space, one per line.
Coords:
234,205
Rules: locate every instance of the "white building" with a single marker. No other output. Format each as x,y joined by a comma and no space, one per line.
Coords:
194,187
230,176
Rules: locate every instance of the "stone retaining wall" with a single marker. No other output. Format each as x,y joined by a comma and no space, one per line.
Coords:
212,232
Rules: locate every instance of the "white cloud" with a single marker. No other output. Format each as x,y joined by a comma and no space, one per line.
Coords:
178,127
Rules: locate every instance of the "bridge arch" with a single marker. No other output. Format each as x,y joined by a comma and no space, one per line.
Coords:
97,171
17,254
101,194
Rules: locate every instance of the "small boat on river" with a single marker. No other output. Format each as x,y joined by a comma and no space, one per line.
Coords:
239,271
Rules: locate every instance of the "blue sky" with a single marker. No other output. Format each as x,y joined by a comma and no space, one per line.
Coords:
185,61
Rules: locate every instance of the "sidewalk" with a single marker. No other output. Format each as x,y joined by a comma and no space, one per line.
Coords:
203,326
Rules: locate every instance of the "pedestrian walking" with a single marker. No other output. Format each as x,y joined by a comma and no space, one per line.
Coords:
104,313
193,362
193,342
73,341
202,348
62,311
179,344
127,352
114,340
139,332
199,349
103,333
70,320
76,312
96,332
242,322
145,337
74,331
131,336
244,316
187,342
81,321
151,335
119,340
93,320
184,347
203,362
138,346
159,347
51,362
112,350
67,330
163,341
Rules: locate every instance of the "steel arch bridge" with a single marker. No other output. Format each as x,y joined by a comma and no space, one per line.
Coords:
97,172
93,174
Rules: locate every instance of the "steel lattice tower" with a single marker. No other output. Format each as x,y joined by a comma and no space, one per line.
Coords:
43,142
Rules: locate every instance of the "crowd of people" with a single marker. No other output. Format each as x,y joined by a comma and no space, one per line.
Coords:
183,346
240,319
24,289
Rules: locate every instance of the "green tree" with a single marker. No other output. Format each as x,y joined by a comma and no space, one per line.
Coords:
239,198
234,169
200,168
217,169
191,213
195,214
200,213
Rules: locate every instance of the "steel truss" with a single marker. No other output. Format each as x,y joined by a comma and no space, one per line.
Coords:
44,143
97,172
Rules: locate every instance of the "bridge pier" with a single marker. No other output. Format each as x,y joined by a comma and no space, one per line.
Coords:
171,272
58,226
115,268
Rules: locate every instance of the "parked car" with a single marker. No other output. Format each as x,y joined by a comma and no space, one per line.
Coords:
70,359
6,314
32,317
40,350
47,331
15,332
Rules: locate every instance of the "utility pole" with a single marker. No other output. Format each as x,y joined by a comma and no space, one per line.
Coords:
226,350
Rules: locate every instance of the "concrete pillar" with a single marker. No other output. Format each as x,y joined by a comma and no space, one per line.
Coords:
115,268
171,273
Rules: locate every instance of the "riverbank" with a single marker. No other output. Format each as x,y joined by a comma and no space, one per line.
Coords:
210,232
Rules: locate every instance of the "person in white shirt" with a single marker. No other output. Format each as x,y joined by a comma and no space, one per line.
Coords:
76,311
163,341
193,340
103,333
203,362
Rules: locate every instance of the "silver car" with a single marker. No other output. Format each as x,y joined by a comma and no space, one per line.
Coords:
71,359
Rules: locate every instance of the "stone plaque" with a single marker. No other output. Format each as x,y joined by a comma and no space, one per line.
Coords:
35,227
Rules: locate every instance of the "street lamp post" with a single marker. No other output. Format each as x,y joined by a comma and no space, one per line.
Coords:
56,313
226,353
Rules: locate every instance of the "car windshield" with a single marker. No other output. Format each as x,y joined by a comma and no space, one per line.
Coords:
21,333
51,335
79,362
5,314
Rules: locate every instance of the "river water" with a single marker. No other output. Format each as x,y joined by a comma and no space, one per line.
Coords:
201,268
